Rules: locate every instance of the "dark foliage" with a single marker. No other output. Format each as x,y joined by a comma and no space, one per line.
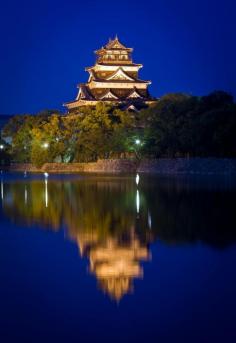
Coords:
183,125
179,125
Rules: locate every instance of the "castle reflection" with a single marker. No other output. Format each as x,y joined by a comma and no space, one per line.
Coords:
113,220
102,217
114,263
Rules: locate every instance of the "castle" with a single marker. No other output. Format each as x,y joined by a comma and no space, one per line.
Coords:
113,79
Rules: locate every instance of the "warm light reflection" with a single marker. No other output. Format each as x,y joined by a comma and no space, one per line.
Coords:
115,264
137,201
113,223
104,230
46,192
26,194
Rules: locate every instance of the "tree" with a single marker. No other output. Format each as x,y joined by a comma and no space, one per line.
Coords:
178,125
4,154
182,125
101,133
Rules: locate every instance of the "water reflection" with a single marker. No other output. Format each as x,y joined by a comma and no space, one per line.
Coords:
114,263
2,194
99,215
114,220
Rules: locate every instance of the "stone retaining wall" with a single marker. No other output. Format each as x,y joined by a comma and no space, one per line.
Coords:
101,166
189,166
160,166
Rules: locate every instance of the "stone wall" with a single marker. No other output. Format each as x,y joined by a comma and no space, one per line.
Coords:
159,166
101,166
188,166
22,167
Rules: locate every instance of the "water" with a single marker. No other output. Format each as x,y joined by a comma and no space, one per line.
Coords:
117,259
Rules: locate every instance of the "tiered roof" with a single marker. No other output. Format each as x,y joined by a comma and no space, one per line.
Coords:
113,78
114,44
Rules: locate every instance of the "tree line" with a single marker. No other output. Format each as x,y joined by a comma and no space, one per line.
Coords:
179,125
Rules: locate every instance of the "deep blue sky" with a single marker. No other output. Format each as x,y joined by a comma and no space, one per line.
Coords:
184,45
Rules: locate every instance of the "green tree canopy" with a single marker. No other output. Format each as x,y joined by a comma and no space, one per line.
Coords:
179,125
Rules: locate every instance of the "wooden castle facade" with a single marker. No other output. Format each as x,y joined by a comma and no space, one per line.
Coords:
113,79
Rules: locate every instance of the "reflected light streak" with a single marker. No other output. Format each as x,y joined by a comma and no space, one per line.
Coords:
149,220
46,193
2,192
137,201
26,195
137,179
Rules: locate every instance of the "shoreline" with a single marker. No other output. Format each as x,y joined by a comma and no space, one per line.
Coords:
163,166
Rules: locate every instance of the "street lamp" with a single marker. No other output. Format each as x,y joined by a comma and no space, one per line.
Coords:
137,141
1,146
45,145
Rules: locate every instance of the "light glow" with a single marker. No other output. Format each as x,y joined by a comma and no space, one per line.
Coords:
45,145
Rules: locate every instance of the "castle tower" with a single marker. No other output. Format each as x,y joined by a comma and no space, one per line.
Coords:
113,79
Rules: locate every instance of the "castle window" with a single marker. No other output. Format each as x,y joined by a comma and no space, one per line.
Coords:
123,57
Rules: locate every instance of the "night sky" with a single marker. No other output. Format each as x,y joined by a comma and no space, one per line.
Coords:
185,46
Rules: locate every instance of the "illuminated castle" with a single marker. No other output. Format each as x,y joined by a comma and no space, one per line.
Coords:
113,79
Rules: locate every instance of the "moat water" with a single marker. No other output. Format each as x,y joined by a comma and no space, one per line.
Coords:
117,258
